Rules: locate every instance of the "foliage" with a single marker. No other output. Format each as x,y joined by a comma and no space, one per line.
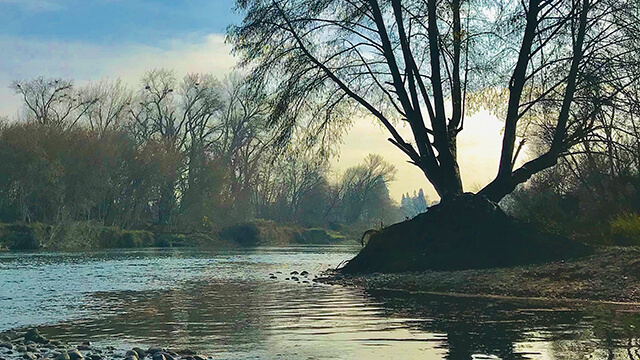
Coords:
625,229
583,198
195,155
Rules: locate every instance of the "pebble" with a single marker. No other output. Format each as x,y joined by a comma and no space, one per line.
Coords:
34,335
141,353
35,347
75,355
154,350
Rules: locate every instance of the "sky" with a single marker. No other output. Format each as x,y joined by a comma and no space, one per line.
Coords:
88,40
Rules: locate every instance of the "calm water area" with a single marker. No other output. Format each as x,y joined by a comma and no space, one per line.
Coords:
225,303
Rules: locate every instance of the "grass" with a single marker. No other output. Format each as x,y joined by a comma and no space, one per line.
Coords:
625,229
89,235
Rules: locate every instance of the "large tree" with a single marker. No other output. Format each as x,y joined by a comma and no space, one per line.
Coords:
553,66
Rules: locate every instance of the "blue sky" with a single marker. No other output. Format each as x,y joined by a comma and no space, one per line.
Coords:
87,40
108,21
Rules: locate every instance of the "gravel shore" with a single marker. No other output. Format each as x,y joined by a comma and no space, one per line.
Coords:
29,344
612,274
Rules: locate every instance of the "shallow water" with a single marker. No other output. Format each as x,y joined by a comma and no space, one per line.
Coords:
223,302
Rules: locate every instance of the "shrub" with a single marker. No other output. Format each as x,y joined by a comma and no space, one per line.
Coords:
18,237
135,239
244,234
625,229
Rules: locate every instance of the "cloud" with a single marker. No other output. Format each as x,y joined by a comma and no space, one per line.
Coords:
25,58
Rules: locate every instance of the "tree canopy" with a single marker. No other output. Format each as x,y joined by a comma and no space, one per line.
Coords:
551,68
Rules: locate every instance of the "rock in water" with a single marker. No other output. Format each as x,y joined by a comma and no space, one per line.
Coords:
159,356
131,355
154,350
75,355
141,353
34,335
29,356
63,356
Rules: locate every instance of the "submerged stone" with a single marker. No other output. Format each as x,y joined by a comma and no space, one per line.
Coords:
63,356
34,335
75,355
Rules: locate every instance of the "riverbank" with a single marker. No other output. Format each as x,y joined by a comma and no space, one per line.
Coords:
611,274
89,236
29,344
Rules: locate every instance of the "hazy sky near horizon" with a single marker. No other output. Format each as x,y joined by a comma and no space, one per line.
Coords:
88,40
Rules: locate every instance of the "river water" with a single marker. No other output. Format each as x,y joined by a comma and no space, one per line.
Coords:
225,303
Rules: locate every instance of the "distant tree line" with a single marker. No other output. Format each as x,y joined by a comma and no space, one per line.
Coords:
193,153
413,205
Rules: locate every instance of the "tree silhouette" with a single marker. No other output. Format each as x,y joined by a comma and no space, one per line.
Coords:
553,66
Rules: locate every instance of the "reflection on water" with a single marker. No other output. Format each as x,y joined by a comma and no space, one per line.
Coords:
223,303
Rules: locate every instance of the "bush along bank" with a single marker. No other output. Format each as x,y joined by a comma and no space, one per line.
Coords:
270,233
87,235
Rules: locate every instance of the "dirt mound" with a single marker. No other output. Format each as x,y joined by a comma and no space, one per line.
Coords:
467,232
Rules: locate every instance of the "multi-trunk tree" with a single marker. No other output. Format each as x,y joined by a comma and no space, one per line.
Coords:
554,66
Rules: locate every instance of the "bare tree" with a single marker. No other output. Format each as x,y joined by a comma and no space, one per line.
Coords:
105,105
52,102
557,61
363,183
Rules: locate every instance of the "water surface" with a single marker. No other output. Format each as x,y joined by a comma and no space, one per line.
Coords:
224,302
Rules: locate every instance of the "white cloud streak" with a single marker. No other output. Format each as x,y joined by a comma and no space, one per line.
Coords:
28,58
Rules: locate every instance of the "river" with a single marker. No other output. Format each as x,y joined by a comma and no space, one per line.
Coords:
226,303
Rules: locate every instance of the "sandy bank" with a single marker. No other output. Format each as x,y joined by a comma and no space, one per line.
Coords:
612,274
